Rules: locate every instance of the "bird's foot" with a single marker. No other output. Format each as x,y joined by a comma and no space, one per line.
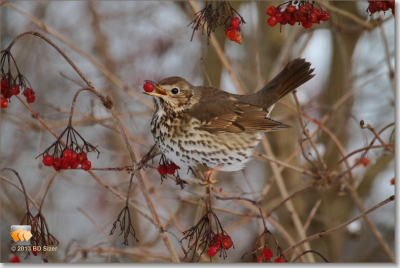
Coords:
208,176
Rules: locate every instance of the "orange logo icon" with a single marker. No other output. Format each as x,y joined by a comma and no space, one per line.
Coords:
20,234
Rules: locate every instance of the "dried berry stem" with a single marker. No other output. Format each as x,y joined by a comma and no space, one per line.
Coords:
22,186
73,104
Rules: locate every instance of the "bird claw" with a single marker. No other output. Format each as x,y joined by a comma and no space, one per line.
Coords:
208,181
208,176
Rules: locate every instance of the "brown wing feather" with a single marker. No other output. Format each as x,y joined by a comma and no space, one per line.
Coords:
228,115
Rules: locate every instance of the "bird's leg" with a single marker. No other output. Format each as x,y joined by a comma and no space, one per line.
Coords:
208,174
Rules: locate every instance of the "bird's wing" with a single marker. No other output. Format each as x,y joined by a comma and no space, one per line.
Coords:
229,115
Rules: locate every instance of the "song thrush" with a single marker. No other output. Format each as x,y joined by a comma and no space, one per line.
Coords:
204,125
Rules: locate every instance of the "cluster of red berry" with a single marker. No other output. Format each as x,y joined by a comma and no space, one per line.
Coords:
10,89
148,87
167,169
219,240
266,255
376,6
364,161
304,13
29,95
68,159
232,32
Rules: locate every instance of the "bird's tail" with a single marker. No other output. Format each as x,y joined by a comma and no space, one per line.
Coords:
295,73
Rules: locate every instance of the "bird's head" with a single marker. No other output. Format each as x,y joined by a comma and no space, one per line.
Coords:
175,94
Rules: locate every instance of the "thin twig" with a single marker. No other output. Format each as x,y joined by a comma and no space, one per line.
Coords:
340,226
387,53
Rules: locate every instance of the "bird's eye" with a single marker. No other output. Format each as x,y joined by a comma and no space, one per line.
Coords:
175,90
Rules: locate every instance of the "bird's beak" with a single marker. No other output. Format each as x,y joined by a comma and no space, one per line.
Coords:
160,92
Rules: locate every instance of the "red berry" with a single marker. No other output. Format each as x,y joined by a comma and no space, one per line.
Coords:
279,16
74,156
226,242
171,168
57,161
64,163
233,35
272,21
48,160
324,16
162,169
35,252
74,165
371,9
212,250
365,161
280,259
292,22
306,25
67,154
86,164
312,17
4,83
27,92
31,99
291,8
4,102
287,16
14,258
148,87
303,18
57,164
303,9
385,7
267,253
390,4
15,90
378,5
216,241
8,93
235,23
271,10
317,12
81,157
